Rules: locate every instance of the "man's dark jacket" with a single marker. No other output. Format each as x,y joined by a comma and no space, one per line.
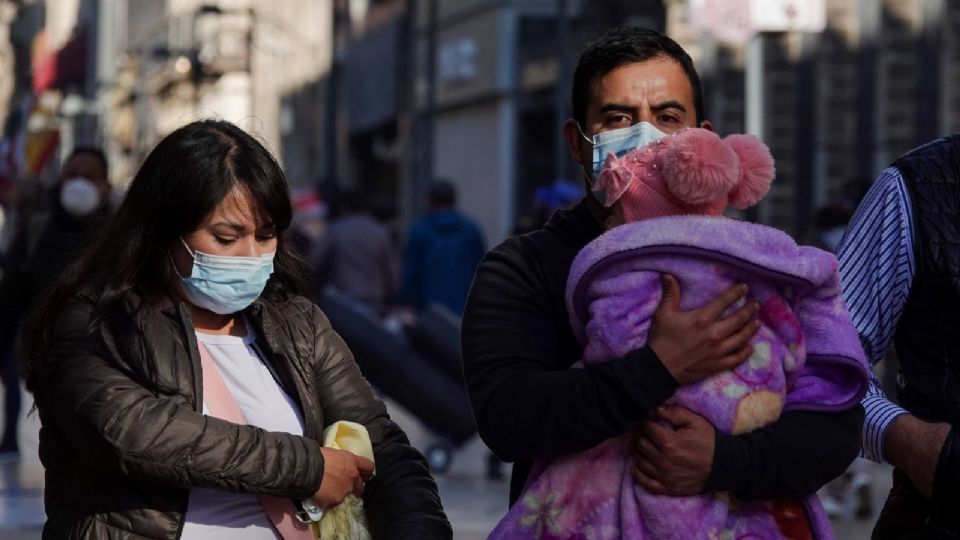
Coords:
123,438
518,347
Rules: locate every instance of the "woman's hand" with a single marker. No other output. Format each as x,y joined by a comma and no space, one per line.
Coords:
343,473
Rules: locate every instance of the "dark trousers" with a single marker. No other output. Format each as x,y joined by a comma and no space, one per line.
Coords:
908,515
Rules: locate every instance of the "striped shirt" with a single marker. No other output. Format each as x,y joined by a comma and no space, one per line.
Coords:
876,270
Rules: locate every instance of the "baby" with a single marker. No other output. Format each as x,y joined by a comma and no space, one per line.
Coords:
666,200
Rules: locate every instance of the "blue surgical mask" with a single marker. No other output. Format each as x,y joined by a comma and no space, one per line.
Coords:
225,285
619,142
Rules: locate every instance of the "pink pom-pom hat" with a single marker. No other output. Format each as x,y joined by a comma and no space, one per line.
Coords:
692,171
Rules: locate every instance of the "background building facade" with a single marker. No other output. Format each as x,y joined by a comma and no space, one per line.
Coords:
387,94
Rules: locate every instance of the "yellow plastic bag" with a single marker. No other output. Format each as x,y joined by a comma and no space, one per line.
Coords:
346,521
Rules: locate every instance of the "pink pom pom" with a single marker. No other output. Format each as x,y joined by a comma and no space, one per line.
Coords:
697,167
757,170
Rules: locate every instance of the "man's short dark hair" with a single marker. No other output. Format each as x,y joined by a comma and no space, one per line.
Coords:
442,193
94,151
628,45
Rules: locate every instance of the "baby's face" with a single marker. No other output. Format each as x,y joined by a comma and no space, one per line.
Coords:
616,217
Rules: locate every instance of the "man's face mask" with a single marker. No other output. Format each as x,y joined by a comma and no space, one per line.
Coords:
618,142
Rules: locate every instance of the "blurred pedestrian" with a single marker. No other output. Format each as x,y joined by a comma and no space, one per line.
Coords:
560,195
519,345
900,262
79,203
309,223
441,255
356,254
442,252
189,299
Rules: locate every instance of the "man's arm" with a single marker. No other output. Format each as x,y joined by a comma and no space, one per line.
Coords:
793,457
530,405
877,268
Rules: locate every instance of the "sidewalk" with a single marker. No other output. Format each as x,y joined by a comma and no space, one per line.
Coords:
473,504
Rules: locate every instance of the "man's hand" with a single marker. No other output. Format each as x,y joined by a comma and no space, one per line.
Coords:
673,461
914,446
343,473
696,344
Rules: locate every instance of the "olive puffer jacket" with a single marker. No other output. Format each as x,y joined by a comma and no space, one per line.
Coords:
123,444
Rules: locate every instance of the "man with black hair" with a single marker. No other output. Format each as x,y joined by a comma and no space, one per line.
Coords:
518,346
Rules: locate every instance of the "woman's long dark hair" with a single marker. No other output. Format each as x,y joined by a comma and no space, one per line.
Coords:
178,186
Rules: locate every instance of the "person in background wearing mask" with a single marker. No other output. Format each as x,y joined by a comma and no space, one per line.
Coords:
79,203
518,343
187,300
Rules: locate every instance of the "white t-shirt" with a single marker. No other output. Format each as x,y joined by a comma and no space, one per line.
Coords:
222,515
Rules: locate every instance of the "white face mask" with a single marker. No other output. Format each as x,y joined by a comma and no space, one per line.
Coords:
79,197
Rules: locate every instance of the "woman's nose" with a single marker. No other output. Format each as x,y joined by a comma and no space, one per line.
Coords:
252,249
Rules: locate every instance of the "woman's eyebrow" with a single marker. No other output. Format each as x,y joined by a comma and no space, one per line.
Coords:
235,226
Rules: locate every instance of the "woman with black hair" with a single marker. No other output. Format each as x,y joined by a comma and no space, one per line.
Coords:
193,272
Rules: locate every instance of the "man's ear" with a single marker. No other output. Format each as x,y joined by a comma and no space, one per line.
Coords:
706,125
571,134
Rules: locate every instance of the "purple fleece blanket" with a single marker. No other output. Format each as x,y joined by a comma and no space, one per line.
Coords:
807,356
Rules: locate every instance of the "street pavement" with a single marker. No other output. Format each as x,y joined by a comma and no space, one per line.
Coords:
472,503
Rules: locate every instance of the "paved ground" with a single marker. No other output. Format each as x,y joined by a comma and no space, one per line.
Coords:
473,504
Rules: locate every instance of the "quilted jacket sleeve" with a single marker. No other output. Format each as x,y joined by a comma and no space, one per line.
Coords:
122,428
401,500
